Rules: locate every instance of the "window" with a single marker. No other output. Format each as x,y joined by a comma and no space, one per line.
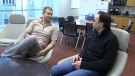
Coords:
3,1
8,2
31,2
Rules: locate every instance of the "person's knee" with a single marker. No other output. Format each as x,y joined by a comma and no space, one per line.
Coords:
32,37
53,70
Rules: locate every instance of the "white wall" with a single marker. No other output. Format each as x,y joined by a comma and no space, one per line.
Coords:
87,6
62,8
66,10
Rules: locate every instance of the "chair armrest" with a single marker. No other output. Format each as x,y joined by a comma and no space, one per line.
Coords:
119,65
66,59
46,57
21,37
43,59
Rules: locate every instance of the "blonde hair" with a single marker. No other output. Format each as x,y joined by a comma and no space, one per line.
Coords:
47,7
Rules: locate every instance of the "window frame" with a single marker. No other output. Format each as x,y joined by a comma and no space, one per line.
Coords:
9,2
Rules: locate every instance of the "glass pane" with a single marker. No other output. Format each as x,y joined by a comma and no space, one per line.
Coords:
29,8
6,10
9,1
6,1
3,1
13,2
32,8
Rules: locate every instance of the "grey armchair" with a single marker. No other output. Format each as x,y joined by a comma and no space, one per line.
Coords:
123,38
13,30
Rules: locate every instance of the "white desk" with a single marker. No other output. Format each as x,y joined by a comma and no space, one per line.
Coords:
82,23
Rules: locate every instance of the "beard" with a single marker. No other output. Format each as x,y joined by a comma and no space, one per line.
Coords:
46,19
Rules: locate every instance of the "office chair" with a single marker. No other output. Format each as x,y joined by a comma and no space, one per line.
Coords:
61,21
13,30
70,18
118,67
89,32
70,29
128,28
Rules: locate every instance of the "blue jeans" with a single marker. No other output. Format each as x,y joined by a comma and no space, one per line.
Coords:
67,69
29,44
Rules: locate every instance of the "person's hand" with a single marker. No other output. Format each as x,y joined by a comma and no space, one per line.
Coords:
26,35
42,43
77,64
76,58
40,53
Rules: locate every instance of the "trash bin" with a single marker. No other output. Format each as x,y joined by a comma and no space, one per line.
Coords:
90,16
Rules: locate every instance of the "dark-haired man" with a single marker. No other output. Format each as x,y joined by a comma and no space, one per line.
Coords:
40,36
98,57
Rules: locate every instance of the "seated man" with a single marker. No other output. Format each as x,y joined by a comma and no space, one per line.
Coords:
37,37
98,57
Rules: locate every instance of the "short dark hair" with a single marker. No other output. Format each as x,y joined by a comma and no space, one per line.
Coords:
105,18
47,7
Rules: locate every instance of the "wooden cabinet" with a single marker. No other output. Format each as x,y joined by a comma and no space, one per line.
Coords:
130,2
123,21
118,20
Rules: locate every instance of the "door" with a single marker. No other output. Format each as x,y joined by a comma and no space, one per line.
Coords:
102,5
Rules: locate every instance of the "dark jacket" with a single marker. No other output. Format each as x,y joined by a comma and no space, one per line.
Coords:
101,52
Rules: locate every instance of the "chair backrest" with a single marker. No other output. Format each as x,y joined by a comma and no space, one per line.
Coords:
89,30
70,18
70,28
61,21
129,22
15,27
29,21
130,26
17,19
123,38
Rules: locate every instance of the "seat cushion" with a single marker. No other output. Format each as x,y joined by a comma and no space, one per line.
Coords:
7,40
